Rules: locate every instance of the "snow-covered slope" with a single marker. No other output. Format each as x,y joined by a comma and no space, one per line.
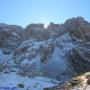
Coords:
12,81
45,59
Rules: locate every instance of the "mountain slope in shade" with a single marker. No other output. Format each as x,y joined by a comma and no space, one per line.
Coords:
45,58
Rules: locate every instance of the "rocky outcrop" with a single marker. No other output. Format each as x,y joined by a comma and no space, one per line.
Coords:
37,32
79,58
35,26
55,28
79,31
10,37
80,82
78,28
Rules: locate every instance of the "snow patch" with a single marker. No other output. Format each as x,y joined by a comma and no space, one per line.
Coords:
4,57
38,83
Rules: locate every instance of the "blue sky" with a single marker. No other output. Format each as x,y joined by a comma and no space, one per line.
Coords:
24,12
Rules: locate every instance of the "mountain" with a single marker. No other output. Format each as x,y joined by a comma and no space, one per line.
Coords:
60,51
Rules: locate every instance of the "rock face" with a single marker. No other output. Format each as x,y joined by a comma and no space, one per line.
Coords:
79,58
79,29
10,37
36,31
55,28
58,51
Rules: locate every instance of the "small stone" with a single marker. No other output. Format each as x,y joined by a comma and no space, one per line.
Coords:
88,81
47,89
74,82
20,85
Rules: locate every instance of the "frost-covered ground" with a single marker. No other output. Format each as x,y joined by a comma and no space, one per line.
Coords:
11,81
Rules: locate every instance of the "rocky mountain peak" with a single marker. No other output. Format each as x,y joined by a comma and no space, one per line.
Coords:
59,51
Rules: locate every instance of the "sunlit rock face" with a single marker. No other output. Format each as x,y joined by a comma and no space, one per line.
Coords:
79,29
